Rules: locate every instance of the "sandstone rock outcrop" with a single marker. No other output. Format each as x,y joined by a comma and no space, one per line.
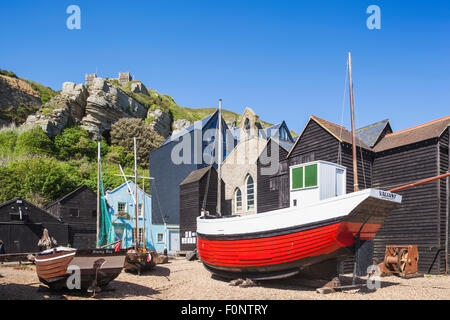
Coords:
105,105
160,122
138,87
95,109
180,125
67,107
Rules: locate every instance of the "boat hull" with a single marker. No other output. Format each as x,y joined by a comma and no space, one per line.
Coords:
54,267
266,252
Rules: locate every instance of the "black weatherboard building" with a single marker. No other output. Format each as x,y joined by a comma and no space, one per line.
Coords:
385,160
404,157
22,224
319,140
79,210
197,190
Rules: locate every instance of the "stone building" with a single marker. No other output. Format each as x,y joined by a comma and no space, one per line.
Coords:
239,169
89,78
124,77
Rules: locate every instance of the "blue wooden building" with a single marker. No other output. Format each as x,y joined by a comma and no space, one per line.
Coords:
158,236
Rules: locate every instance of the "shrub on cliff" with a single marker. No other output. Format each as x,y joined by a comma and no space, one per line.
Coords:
75,143
38,176
8,138
123,131
118,155
34,142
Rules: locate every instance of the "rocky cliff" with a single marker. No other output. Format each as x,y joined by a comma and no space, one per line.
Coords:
16,93
95,108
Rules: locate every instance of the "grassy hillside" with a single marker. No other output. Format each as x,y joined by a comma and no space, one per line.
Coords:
18,114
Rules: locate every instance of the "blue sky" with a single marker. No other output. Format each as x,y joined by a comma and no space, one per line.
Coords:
284,59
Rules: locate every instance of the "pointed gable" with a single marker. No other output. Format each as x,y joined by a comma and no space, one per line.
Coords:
429,130
373,133
337,132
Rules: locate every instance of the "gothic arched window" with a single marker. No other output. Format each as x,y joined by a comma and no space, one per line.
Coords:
247,126
250,193
238,200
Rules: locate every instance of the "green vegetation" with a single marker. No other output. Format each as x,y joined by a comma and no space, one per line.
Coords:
41,170
75,143
34,142
44,92
17,115
123,131
8,73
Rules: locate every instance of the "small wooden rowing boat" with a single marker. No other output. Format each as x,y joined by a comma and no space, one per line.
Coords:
96,267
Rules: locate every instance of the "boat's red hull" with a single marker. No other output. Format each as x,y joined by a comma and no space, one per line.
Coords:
283,252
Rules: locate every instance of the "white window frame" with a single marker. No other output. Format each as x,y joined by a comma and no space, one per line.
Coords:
236,202
118,207
246,194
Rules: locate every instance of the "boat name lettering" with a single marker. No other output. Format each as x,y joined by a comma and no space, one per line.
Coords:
388,195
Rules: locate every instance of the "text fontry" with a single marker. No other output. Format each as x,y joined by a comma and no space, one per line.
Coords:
230,309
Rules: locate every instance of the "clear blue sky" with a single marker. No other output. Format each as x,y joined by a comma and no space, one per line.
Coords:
284,59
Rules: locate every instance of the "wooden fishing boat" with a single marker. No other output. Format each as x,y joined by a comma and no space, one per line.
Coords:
97,267
139,261
281,243
322,226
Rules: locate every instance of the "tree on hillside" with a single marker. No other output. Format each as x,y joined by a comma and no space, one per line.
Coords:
123,131
74,143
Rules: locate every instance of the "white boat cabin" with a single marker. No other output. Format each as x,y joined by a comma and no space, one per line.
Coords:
314,181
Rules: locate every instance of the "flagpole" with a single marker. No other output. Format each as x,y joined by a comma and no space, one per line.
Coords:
143,213
98,193
136,205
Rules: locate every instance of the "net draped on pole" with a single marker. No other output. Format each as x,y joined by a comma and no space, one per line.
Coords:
105,234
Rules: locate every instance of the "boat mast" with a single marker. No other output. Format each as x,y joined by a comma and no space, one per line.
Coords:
136,196
143,212
219,159
98,192
355,164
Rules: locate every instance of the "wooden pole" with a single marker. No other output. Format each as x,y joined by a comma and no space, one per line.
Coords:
409,185
136,197
143,213
447,207
219,159
355,164
98,193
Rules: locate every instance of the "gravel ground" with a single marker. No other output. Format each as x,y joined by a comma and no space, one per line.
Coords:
181,279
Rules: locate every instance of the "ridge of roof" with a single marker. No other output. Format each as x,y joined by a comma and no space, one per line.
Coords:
343,136
333,124
419,126
64,197
196,175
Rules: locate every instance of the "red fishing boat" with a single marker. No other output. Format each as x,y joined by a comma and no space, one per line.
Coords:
281,243
322,224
